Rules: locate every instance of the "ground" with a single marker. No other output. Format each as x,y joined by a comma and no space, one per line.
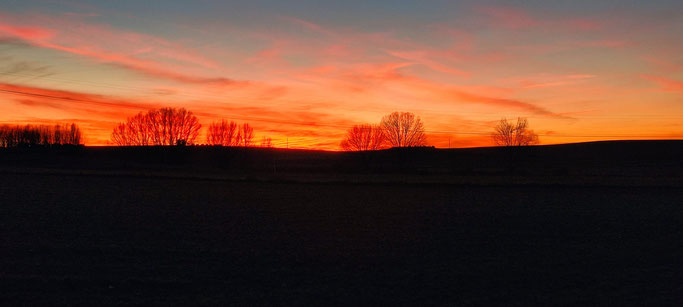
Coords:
92,238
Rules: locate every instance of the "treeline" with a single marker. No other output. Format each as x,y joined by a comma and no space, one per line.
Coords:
171,126
398,129
226,133
39,135
404,129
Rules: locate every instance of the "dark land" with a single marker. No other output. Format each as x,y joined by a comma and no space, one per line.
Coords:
579,224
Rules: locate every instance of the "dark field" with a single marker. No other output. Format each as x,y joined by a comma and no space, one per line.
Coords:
127,239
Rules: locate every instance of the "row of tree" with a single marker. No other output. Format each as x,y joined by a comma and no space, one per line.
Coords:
171,126
226,133
39,135
404,129
398,129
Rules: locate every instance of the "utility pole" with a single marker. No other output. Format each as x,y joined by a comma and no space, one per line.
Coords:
449,141
287,142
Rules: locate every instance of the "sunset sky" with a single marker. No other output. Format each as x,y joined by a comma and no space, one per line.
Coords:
305,71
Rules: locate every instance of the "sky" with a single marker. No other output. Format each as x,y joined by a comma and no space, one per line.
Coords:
303,72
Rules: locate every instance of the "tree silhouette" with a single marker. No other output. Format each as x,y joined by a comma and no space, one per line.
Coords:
165,126
245,136
30,135
136,131
364,137
514,134
223,133
74,136
266,142
403,129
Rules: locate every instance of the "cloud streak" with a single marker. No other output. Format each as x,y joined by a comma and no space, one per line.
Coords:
81,43
666,84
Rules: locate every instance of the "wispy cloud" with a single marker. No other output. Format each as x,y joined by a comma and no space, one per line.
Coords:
666,84
149,55
516,18
37,97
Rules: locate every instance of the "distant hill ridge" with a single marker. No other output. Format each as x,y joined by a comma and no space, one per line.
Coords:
613,158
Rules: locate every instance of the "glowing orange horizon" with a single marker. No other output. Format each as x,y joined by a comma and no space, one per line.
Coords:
303,84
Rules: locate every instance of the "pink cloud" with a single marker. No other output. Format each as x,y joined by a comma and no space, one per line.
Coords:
421,57
367,78
546,80
604,43
81,15
146,54
509,17
308,25
663,66
666,84
504,102
27,33
583,24
516,19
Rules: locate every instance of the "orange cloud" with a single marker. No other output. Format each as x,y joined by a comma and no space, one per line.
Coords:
421,57
84,99
548,80
364,77
311,81
102,112
309,128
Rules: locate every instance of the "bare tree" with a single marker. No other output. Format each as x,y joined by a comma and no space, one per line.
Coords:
136,131
403,129
4,132
245,135
223,133
514,134
165,126
266,142
364,137
171,125
74,136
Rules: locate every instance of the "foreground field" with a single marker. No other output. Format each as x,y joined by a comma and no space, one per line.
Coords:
126,239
